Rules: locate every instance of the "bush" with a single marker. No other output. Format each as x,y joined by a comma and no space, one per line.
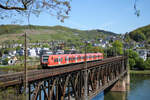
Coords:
132,58
147,63
131,63
5,61
140,64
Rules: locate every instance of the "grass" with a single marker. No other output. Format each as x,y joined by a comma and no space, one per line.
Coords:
146,72
17,68
11,93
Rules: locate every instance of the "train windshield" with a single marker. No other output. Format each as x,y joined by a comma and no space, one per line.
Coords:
45,58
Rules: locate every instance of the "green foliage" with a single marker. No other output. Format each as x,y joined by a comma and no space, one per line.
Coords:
147,62
140,64
132,63
132,58
45,46
138,37
110,52
1,52
41,33
127,38
18,48
135,62
140,34
92,49
5,61
6,51
117,47
132,54
148,41
9,29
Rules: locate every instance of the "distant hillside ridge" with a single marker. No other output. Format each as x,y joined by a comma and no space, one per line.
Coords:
141,34
49,33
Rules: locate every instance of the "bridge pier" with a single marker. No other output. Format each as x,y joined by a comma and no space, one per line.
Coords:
122,84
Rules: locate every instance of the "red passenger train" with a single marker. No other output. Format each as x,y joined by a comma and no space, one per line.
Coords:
55,60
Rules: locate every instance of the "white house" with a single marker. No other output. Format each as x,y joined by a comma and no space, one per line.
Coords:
45,48
12,53
142,53
32,52
37,50
140,45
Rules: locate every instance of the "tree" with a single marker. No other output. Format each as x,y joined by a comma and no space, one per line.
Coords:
45,46
18,48
132,54
95,50
1,52
127,38
132,58
140,64
5,61
58,8
131,63
147,62
117,47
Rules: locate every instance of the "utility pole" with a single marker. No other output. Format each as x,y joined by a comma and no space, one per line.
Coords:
85,75
25,65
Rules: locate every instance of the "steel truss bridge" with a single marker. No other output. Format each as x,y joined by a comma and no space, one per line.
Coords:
68,82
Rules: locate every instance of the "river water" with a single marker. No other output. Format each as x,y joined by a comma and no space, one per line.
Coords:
139,90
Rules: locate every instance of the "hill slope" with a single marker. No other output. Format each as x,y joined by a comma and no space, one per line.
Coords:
15,32
141,34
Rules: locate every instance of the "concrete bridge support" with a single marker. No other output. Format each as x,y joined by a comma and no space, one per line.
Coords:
122,85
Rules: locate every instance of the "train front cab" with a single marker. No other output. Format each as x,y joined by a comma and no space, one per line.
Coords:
44,61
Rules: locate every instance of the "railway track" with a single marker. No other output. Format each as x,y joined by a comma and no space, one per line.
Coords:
7,80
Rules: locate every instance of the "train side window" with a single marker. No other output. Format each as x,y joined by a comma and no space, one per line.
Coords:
55,60
65,58
82,57
79,58
69,59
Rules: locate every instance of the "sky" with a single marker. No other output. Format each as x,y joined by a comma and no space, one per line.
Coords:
110,15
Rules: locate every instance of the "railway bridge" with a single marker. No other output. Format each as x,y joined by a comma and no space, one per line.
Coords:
71,82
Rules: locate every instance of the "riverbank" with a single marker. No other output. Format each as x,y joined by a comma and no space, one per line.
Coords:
143,72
